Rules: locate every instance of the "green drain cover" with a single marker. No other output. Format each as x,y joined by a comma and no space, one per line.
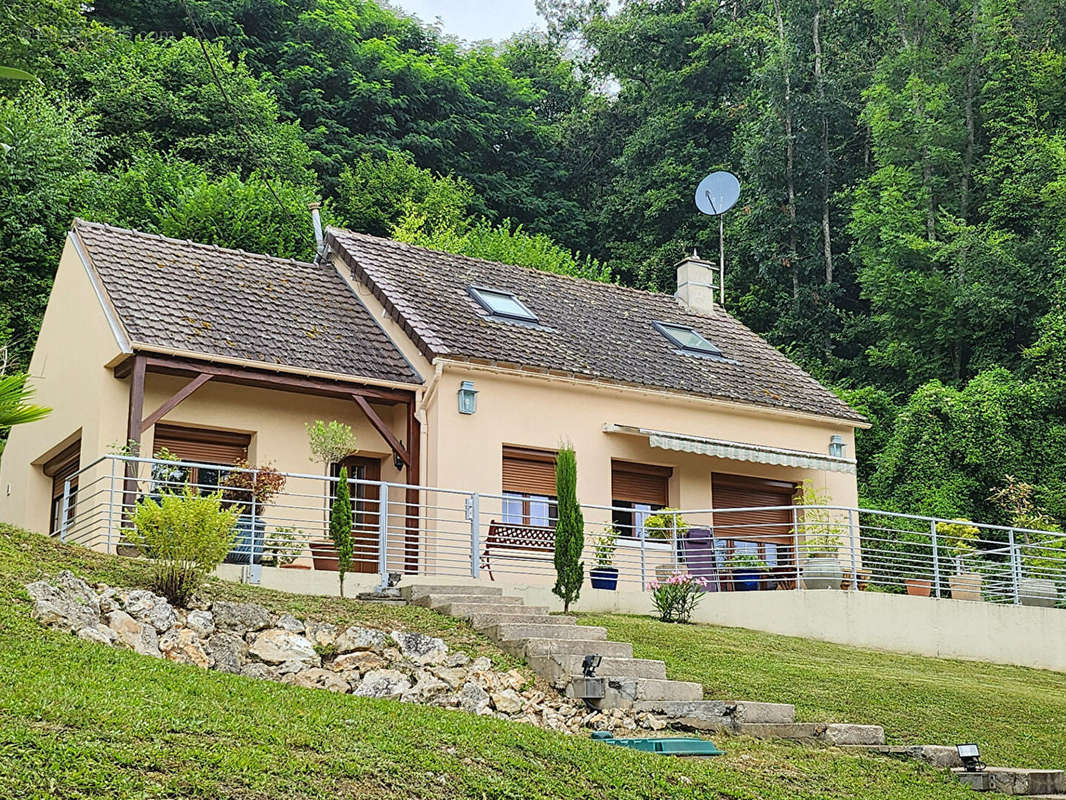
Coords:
669,746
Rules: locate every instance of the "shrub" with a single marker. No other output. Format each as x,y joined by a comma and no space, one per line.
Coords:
821,535
747,562
247,483
663,524
677,596
340,526
282,546
569,531
187,535
605,545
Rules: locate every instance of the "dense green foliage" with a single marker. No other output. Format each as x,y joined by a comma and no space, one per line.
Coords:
901,231
82,720
569,530
340,526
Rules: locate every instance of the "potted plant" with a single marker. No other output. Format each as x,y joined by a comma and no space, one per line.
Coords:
1042,555
248,490
282,547
748,571
605,575
918,587
667,525
821,541
961,537
329,442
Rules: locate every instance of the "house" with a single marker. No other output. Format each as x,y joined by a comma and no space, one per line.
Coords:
455,373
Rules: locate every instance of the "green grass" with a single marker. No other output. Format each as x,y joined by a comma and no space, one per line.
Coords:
1017,715
81,720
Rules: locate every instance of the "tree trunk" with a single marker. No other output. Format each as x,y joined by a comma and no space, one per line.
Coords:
819,77
971,80
790,155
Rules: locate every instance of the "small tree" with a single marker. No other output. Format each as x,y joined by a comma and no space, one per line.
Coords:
330,441
187,535
340,526
569,531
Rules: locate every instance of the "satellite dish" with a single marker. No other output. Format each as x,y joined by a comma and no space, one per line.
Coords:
717,193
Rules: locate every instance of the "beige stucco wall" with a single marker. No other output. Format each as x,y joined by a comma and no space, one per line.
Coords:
68,370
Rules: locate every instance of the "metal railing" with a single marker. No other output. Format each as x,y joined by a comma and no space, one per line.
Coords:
416,530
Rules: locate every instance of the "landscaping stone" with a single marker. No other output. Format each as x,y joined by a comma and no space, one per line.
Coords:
290,623
141,638
317,678
321,633
420,648
227,651
183,645
354,639
240,616
202,623
67,604
508,701
276,645
383,683
150,609
473,699
98,633
361,661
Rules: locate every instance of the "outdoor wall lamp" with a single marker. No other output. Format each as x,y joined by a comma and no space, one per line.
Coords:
970,754
836,446
467,398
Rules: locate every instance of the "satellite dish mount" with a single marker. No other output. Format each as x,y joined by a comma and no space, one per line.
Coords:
716,194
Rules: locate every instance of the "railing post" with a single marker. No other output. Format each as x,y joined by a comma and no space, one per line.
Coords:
383,536
64,511
796,546
251,531
644,563
1015,568
936,556
473,513
673,545
111,506
851,544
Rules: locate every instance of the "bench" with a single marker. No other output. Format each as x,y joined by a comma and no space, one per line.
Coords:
531,540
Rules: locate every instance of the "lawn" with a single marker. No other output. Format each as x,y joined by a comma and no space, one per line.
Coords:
1017,715
80,720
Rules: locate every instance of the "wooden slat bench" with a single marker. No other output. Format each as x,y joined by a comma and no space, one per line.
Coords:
524,542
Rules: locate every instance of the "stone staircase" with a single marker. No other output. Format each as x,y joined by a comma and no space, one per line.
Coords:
555,648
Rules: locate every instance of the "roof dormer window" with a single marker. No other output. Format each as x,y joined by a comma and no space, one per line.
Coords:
688,339
503,304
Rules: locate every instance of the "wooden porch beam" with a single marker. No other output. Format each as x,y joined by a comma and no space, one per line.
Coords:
383,429
175,400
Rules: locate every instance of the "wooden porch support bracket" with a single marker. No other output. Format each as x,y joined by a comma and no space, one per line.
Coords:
174,401
383,429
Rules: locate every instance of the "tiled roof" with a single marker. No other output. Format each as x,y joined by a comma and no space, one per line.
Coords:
594,330
205,299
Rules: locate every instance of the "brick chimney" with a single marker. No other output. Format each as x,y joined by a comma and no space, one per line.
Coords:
699,285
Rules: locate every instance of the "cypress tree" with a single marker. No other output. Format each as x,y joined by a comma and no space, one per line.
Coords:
569,530
340,526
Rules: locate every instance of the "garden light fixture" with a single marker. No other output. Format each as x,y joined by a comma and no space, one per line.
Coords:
971,757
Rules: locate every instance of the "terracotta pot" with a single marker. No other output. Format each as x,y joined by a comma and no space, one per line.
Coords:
966,586
296,566
324,555
917,587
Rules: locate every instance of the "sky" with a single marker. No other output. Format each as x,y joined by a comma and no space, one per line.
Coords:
473,20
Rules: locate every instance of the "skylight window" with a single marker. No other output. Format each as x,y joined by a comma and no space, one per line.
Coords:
688,339
502,304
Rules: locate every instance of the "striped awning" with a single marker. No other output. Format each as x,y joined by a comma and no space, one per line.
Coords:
737,451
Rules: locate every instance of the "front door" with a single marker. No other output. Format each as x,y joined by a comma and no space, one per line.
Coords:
766,534
365,501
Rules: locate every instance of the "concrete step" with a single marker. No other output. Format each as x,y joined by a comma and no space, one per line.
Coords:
563,667
420,590
714,715
467,610
1013,780
834,733
440,600
508,632
627,692
547,646
490,619
938,755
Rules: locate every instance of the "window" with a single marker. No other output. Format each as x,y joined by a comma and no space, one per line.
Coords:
637,492
688,339
528,487
196,446
59,468
502,304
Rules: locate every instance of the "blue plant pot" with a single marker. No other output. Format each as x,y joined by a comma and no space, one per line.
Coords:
604,577
745,580
248,541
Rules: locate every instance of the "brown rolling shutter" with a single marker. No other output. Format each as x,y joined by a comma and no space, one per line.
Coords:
529,471
207,447
640,483
736,491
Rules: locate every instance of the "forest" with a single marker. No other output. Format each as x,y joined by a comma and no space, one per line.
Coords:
901,231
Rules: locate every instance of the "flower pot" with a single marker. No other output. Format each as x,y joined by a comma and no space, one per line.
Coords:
248,541
823,572
664,572
604,578
324,556
1037,592
965,586
746,580
918,587
296,566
